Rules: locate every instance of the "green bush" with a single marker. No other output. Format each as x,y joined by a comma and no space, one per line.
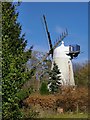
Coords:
14,59
44,89
24,93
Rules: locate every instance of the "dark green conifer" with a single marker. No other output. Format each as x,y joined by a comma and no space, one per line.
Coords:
14,60
54,79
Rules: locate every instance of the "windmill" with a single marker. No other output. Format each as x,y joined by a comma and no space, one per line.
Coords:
62,56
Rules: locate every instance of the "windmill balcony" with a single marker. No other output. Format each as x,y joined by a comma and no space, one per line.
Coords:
74,50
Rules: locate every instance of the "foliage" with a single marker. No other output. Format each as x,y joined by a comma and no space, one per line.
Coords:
54,79
43,88
73,99
45,101
23,94
81,74
14,59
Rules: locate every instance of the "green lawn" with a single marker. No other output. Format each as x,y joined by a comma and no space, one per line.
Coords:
66,115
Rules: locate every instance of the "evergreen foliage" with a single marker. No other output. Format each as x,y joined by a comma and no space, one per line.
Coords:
14,59
44,89
54,79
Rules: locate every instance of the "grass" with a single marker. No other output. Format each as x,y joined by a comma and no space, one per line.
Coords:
67,115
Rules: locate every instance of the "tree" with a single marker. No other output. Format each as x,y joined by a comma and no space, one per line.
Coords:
54,79
43,88
14,59
43,68
81,74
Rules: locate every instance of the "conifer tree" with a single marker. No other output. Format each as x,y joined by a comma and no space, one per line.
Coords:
14,59
54,79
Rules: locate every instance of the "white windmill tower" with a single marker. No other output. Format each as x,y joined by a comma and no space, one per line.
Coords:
63,56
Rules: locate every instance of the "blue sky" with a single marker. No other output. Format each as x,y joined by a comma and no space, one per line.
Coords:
59,16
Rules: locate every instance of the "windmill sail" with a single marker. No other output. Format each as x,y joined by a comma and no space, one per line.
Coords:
61,39
49,38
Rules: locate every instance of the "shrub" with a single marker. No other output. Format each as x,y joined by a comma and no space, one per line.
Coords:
44,89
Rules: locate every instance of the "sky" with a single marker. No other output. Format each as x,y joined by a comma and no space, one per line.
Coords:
59,16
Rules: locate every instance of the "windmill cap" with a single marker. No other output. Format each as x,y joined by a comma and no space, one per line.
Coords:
63,42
